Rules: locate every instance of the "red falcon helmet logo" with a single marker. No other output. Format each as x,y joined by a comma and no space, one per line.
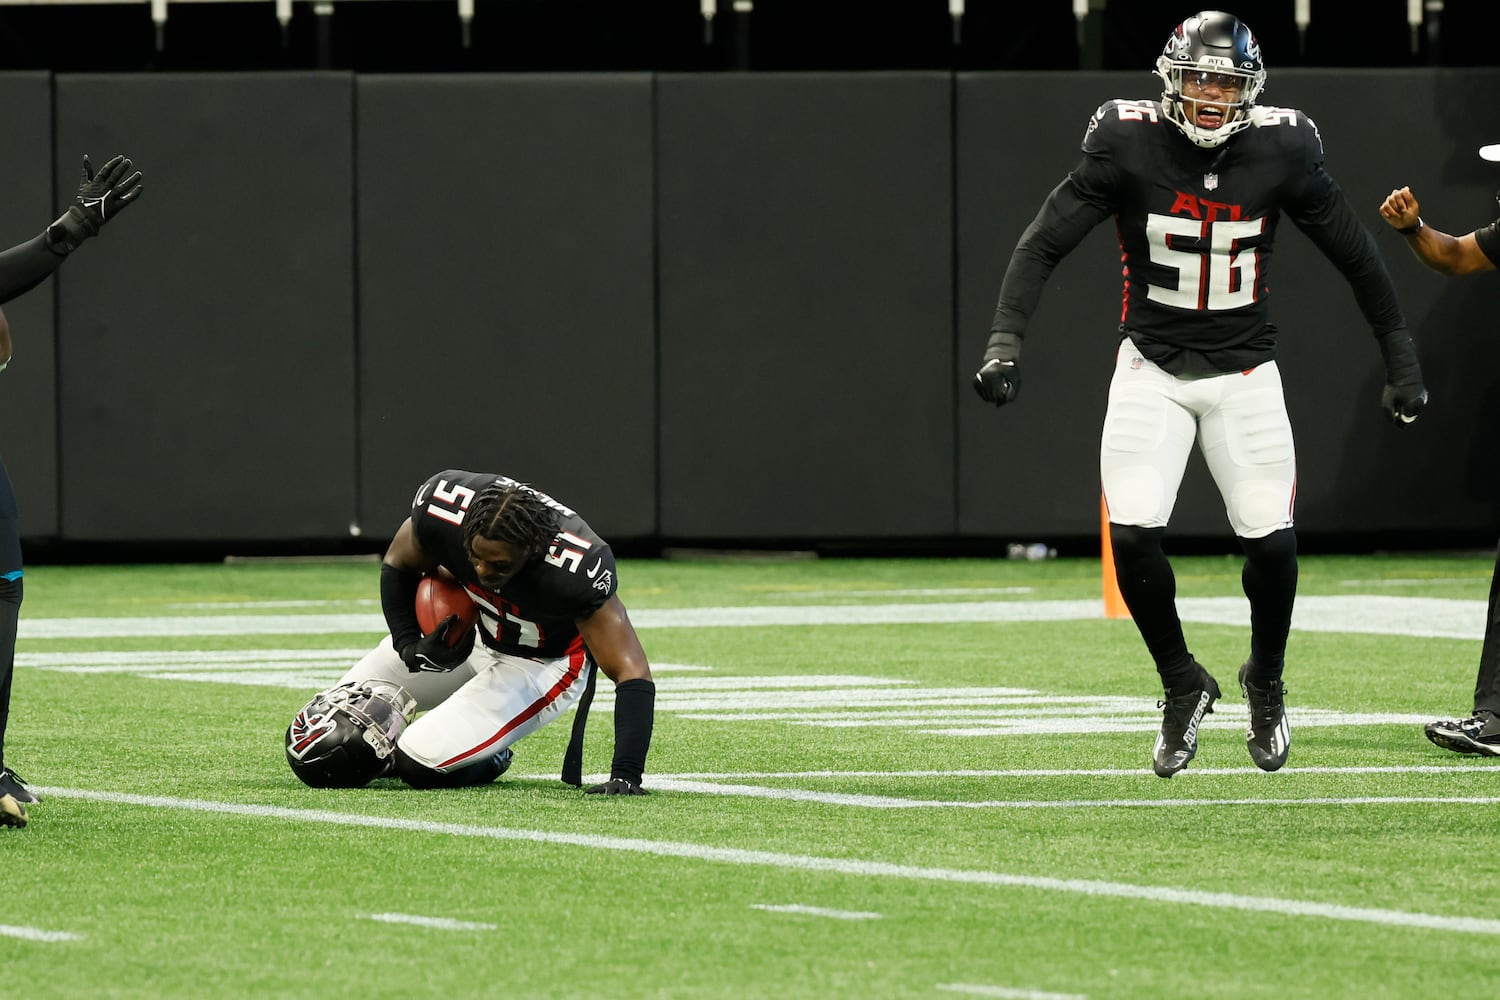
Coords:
307,731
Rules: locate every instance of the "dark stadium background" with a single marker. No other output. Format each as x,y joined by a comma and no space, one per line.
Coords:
718,292
380,36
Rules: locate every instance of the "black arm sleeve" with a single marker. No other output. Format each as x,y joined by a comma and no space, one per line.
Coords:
398,599
1065,218
26,265
1328,220
635,713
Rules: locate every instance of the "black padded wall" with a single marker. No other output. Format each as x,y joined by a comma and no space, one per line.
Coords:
1032,469
1383,130
720,308
506,290
805,227
206,377
28,387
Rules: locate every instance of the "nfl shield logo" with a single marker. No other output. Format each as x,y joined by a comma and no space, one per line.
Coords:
1210,181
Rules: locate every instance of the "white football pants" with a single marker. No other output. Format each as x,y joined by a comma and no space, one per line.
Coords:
487,703
1239,421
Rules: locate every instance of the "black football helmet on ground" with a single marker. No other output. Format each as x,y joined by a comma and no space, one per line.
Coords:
1214,44
345,736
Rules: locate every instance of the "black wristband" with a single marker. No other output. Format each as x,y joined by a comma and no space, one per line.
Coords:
69,231
635,710
1399,352
398,599
1412,229
1003,347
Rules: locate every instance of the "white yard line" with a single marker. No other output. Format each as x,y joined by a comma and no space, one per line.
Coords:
816,911
837,866
440,923
372,625
897,802
913,592
358,602
37,934
1477,580
1009,992
1432,617
1075,772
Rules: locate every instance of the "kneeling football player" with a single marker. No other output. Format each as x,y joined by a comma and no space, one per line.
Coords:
545,586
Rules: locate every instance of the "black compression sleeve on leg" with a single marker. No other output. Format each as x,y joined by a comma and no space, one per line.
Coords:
419,776
10,614
398,599
635,711
1270,582
1150,591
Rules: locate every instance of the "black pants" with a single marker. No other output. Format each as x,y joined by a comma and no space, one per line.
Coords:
1487,687
10,596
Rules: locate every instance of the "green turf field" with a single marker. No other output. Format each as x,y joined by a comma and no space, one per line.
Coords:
903,778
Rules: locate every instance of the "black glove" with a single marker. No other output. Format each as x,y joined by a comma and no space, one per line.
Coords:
1404,394
101,197
998,380
432,652
616,786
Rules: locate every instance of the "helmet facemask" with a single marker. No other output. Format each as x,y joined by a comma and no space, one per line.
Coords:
1211,62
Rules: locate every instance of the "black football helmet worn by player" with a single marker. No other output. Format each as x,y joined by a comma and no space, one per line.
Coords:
345,736
1216,46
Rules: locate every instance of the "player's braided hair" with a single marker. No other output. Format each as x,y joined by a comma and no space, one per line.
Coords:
513,513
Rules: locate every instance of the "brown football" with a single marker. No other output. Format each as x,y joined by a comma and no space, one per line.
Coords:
440,595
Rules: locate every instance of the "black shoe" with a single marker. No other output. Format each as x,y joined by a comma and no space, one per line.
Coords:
1467,735
503,761
12,785
1268,737
12,813
1178,740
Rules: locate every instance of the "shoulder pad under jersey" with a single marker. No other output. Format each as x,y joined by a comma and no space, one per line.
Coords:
1116,120
1290,129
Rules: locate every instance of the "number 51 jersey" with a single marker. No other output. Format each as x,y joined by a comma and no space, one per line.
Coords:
533,614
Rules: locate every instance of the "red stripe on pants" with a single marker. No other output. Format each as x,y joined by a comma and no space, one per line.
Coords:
577,656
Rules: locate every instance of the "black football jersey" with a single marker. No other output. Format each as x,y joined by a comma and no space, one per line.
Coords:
533,615
1197,230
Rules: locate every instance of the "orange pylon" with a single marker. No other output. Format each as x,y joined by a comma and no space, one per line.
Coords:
1114,602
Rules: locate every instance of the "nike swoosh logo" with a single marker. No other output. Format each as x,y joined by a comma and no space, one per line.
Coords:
595,571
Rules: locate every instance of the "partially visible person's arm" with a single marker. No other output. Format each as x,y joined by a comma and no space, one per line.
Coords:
26,265
612,642
101,196
4,340
1453,255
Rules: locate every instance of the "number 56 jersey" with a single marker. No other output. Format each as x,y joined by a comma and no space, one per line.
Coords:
533,614
1197,230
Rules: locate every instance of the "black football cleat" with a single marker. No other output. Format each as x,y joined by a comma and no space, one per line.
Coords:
1467,735
1269,737
1177,742
12,813
12,785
